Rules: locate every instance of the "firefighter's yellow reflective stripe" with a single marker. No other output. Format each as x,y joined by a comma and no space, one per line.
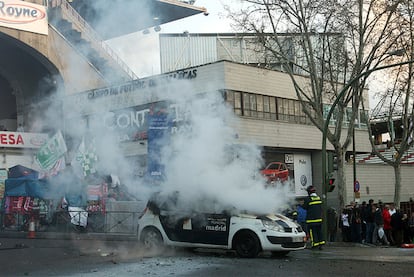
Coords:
313,220
315,202
311,235
318,243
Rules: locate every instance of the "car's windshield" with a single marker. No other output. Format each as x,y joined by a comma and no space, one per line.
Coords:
174,202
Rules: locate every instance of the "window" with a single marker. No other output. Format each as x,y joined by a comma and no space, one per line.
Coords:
363,118
259,99
283,109
253,105
230,96
347,117
237,103
326,109
246,104
272,104
271,108
291,110
266,107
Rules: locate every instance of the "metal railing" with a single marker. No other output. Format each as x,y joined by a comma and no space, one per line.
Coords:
90,33
113,222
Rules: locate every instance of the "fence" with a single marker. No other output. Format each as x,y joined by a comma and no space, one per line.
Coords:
114,222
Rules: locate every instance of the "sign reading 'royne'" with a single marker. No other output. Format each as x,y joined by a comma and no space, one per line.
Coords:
23,16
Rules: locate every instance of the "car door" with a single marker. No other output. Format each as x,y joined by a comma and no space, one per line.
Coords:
210,228
283,172
177,226
204,228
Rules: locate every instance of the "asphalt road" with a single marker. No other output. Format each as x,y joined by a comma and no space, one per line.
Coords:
77,257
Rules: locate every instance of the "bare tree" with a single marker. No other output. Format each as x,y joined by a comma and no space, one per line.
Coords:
337,44
397,99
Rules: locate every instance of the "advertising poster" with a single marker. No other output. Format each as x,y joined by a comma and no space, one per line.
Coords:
303,173
3,177
51,151
158,136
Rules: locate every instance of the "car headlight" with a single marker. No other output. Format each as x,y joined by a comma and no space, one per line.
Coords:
272,225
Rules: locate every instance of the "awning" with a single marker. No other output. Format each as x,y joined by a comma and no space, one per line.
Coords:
33,188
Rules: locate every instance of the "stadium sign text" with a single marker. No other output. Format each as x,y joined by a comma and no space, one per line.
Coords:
15,13
142,84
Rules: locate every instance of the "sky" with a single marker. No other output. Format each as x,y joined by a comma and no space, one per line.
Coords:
141,51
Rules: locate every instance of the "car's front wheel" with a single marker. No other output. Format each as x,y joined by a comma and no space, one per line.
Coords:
246,244
151,239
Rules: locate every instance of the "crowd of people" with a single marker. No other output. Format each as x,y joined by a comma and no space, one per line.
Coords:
376,223
370,223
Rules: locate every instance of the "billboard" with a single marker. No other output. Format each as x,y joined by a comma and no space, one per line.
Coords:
290,169
303,173
22,140
132,124
158,137
24,16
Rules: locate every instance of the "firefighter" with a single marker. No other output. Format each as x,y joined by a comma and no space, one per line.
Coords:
313,206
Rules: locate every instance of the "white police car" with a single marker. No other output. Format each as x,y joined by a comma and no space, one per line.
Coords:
160,224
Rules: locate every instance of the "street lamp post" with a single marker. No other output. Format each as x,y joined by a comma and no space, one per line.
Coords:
325,130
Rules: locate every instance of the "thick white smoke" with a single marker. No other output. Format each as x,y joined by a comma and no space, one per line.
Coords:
207,164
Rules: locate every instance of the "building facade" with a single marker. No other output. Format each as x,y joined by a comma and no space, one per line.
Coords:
269,115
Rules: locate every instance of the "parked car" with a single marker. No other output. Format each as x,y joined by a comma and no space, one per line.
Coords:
276,171
161,224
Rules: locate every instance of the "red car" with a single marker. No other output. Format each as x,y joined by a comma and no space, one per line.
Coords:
276,171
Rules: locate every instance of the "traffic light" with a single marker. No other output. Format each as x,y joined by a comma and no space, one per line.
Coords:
332,162
331,184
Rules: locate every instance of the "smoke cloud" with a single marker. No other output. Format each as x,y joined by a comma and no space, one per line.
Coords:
207,164
205,161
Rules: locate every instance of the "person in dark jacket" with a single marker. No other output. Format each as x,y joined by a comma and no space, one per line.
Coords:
406,229
355,221
397,227
332,222
369,221
313,207
411,226
363,221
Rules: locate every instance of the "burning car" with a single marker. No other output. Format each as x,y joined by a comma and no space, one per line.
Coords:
163,224
276,171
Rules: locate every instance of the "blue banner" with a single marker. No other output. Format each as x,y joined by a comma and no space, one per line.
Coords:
159,131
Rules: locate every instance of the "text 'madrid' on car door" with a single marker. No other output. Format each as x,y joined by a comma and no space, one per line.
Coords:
204,228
